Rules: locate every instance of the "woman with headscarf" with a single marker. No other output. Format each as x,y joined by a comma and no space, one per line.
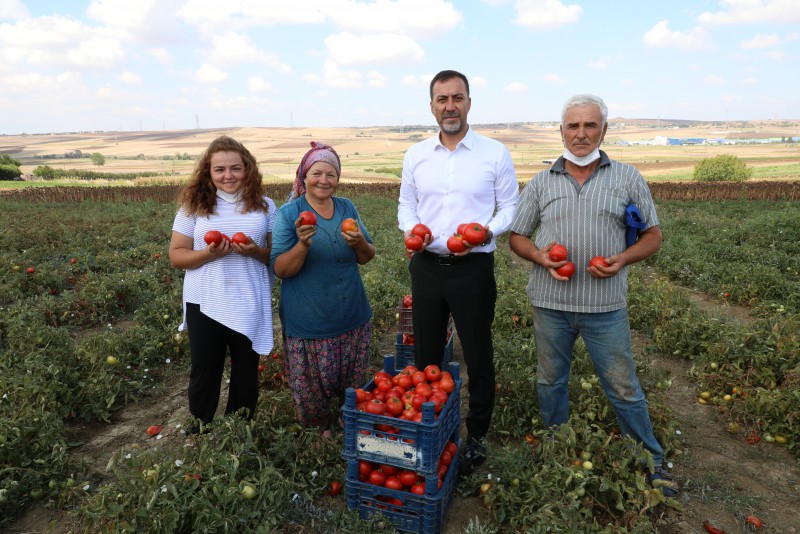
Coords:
324,312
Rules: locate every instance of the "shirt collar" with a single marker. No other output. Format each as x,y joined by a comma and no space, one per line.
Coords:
468,141
558,166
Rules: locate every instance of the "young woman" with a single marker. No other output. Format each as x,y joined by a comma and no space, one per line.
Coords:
226,290
325,315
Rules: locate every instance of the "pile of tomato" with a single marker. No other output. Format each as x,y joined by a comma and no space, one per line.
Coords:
399,479
403,394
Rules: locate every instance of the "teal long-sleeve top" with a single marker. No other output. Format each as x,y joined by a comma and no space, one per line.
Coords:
326,298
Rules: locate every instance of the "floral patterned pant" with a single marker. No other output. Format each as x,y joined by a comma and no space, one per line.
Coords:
319,371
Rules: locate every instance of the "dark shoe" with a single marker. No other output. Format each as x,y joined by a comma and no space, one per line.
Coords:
474,455
662,479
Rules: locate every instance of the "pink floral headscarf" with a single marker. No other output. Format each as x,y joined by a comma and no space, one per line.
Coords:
318,152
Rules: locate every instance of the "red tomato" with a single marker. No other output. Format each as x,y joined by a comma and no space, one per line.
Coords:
417,401
389,469
452,448
474,234
418,488
375,407
307,217
455,244
226,238
410,413
558,252
392,482
408,478
154,430
418,377
409,370
461,228
30,270
414,242
753,520
361,395
349,225
441,470
383,384
447,384
423,389
334,488
394,406
240,239
365,468
567,270
407,301
433,373
213,237
598,261
377,477
446,458
382,374
405,381
421,231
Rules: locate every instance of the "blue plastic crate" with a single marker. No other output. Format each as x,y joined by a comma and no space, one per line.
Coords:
415,445
418,513
405,353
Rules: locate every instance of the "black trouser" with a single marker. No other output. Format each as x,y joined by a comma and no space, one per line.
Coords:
464,287
208,344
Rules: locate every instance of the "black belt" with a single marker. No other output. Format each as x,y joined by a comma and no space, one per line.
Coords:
449,259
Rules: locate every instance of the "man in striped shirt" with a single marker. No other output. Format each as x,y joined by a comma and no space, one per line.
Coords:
580,203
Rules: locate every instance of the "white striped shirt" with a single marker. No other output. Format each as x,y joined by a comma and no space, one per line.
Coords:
589,221
234,290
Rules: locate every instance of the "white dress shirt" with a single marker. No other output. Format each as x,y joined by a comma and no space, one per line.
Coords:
476,182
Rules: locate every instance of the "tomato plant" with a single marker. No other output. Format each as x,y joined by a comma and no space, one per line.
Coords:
558,252
307,218
349,225
455,244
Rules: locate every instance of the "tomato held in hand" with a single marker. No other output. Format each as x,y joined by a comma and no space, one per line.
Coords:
413,242
558,252
455,244
307,218
213,237
349,225
598,261
461,228
566,270
474,234
421,231
240,239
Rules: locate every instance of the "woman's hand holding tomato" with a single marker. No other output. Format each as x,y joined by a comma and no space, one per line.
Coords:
305,229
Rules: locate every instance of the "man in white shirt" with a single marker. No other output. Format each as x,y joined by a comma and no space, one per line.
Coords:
457,177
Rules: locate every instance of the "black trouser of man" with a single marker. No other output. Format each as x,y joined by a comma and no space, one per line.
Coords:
208,344
464,287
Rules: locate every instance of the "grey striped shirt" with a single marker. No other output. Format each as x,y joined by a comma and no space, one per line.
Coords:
589,221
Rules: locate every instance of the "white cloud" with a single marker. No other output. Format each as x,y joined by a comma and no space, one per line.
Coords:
13,10
58,42
349,49
312,78
776,55
546,14
750,11
713,79
333,76
417,81
750,81
761,41
415,18
238,48
130,78
145,22
161,55
516,87
600,63
377,80
210,74
207,15
661,36
257,84
477,81
553,78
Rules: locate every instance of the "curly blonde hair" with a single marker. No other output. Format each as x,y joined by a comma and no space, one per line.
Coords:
199,196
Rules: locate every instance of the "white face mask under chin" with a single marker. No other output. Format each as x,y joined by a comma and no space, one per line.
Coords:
582,161
229,197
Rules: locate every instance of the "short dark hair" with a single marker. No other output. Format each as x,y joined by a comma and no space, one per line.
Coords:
446,75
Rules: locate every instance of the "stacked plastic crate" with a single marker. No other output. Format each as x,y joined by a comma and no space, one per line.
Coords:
404,343
396,445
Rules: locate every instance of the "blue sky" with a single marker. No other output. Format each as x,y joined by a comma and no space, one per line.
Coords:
134,65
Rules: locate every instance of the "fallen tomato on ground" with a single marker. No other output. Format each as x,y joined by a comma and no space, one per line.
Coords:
334,488
154,430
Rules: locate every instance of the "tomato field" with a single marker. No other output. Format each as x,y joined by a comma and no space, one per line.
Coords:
89,309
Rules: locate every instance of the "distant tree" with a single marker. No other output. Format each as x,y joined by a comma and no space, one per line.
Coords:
46,172
722,168
98,159
9,172
5,159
